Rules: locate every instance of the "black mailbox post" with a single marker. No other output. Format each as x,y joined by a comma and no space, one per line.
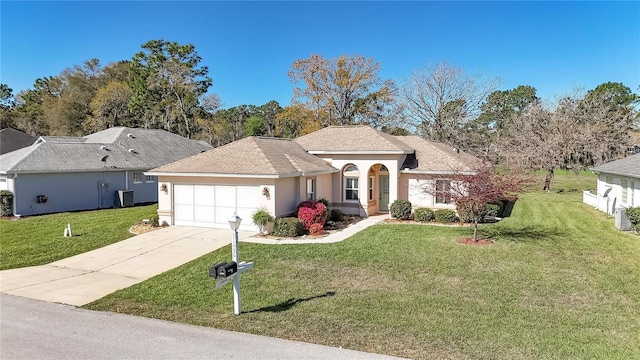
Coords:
227,269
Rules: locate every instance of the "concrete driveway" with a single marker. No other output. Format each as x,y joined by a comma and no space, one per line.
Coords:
84,278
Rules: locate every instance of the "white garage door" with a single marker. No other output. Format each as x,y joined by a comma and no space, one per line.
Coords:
212,205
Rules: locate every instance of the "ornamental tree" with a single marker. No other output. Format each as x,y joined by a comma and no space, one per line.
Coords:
312,212
473,191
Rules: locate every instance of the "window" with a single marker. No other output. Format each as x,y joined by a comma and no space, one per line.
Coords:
137,177
623,192
149,179
443,192
371,188
351,189
311,189
351,174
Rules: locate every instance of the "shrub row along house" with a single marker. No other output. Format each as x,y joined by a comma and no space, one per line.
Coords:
101,170
358,169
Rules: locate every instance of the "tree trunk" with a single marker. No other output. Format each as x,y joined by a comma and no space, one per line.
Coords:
475,230
547,181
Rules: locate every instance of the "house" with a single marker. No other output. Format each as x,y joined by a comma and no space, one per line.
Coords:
358,169
12,139
618,185
101,170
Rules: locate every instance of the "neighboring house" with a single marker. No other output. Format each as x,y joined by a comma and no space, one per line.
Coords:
618,185
358,169
12,139
101,170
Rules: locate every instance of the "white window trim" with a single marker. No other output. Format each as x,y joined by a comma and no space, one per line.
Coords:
138,175
356,189
311,192
436,195
149,179
372,194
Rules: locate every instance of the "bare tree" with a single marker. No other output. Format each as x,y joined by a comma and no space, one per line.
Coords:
440,99
577,132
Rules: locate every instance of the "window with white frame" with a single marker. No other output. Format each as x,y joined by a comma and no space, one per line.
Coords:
371,194
443,192
623,191
137,177
351,174
149,179
311,189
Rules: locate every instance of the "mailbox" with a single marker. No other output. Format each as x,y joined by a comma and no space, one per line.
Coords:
227,269
213,271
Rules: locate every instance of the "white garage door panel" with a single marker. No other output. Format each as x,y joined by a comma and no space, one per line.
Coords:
212,205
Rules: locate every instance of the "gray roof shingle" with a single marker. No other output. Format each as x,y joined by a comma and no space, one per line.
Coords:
629,166
435,157
12,139
254,156
124,148
345,139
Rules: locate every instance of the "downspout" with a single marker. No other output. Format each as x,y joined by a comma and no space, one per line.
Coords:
126,179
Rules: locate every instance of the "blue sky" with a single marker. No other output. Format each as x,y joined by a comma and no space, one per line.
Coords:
249,46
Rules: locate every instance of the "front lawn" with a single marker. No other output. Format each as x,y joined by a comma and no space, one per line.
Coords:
559,282
39,240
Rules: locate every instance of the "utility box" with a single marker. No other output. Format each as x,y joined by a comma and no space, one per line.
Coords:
125,198
622,221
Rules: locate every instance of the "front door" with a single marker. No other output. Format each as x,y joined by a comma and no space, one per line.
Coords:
383,198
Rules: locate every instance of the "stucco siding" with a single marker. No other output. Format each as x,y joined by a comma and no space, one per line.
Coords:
287,196
616,196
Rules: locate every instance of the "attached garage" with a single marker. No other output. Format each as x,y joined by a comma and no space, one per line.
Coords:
208,205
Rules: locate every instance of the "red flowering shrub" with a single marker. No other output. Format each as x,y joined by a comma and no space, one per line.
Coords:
316,229
312,212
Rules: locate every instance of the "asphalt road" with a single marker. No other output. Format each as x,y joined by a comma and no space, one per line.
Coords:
33,329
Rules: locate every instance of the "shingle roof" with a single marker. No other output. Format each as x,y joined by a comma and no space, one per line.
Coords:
128,148
252,156
434,157
12,139
629,166
346,139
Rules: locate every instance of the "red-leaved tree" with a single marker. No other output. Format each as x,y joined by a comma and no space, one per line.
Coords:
472,192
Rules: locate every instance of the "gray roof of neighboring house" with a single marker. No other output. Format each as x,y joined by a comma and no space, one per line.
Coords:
121,149
628,166
251,156
352,139
435,157
12,139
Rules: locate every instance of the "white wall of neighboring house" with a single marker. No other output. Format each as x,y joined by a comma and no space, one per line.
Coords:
624,191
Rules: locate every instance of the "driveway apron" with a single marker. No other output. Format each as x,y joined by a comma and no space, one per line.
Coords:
84,278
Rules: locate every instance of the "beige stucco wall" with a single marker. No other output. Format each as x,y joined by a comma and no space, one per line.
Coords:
363,206
287,196
416,188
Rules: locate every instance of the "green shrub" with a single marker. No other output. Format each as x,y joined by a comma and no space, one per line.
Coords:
634,217
324,201
261,217
401,209
6,203
423,215
493,210
335,215
288,227
154,220
445,216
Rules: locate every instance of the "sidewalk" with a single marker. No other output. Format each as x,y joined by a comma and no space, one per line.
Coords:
332,238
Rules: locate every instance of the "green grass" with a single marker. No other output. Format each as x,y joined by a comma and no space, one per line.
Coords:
559,282
39,240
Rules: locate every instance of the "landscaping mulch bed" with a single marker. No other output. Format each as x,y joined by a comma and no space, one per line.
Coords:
470,241
144,227
330,228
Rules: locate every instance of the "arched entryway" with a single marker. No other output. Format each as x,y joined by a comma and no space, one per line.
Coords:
378,188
